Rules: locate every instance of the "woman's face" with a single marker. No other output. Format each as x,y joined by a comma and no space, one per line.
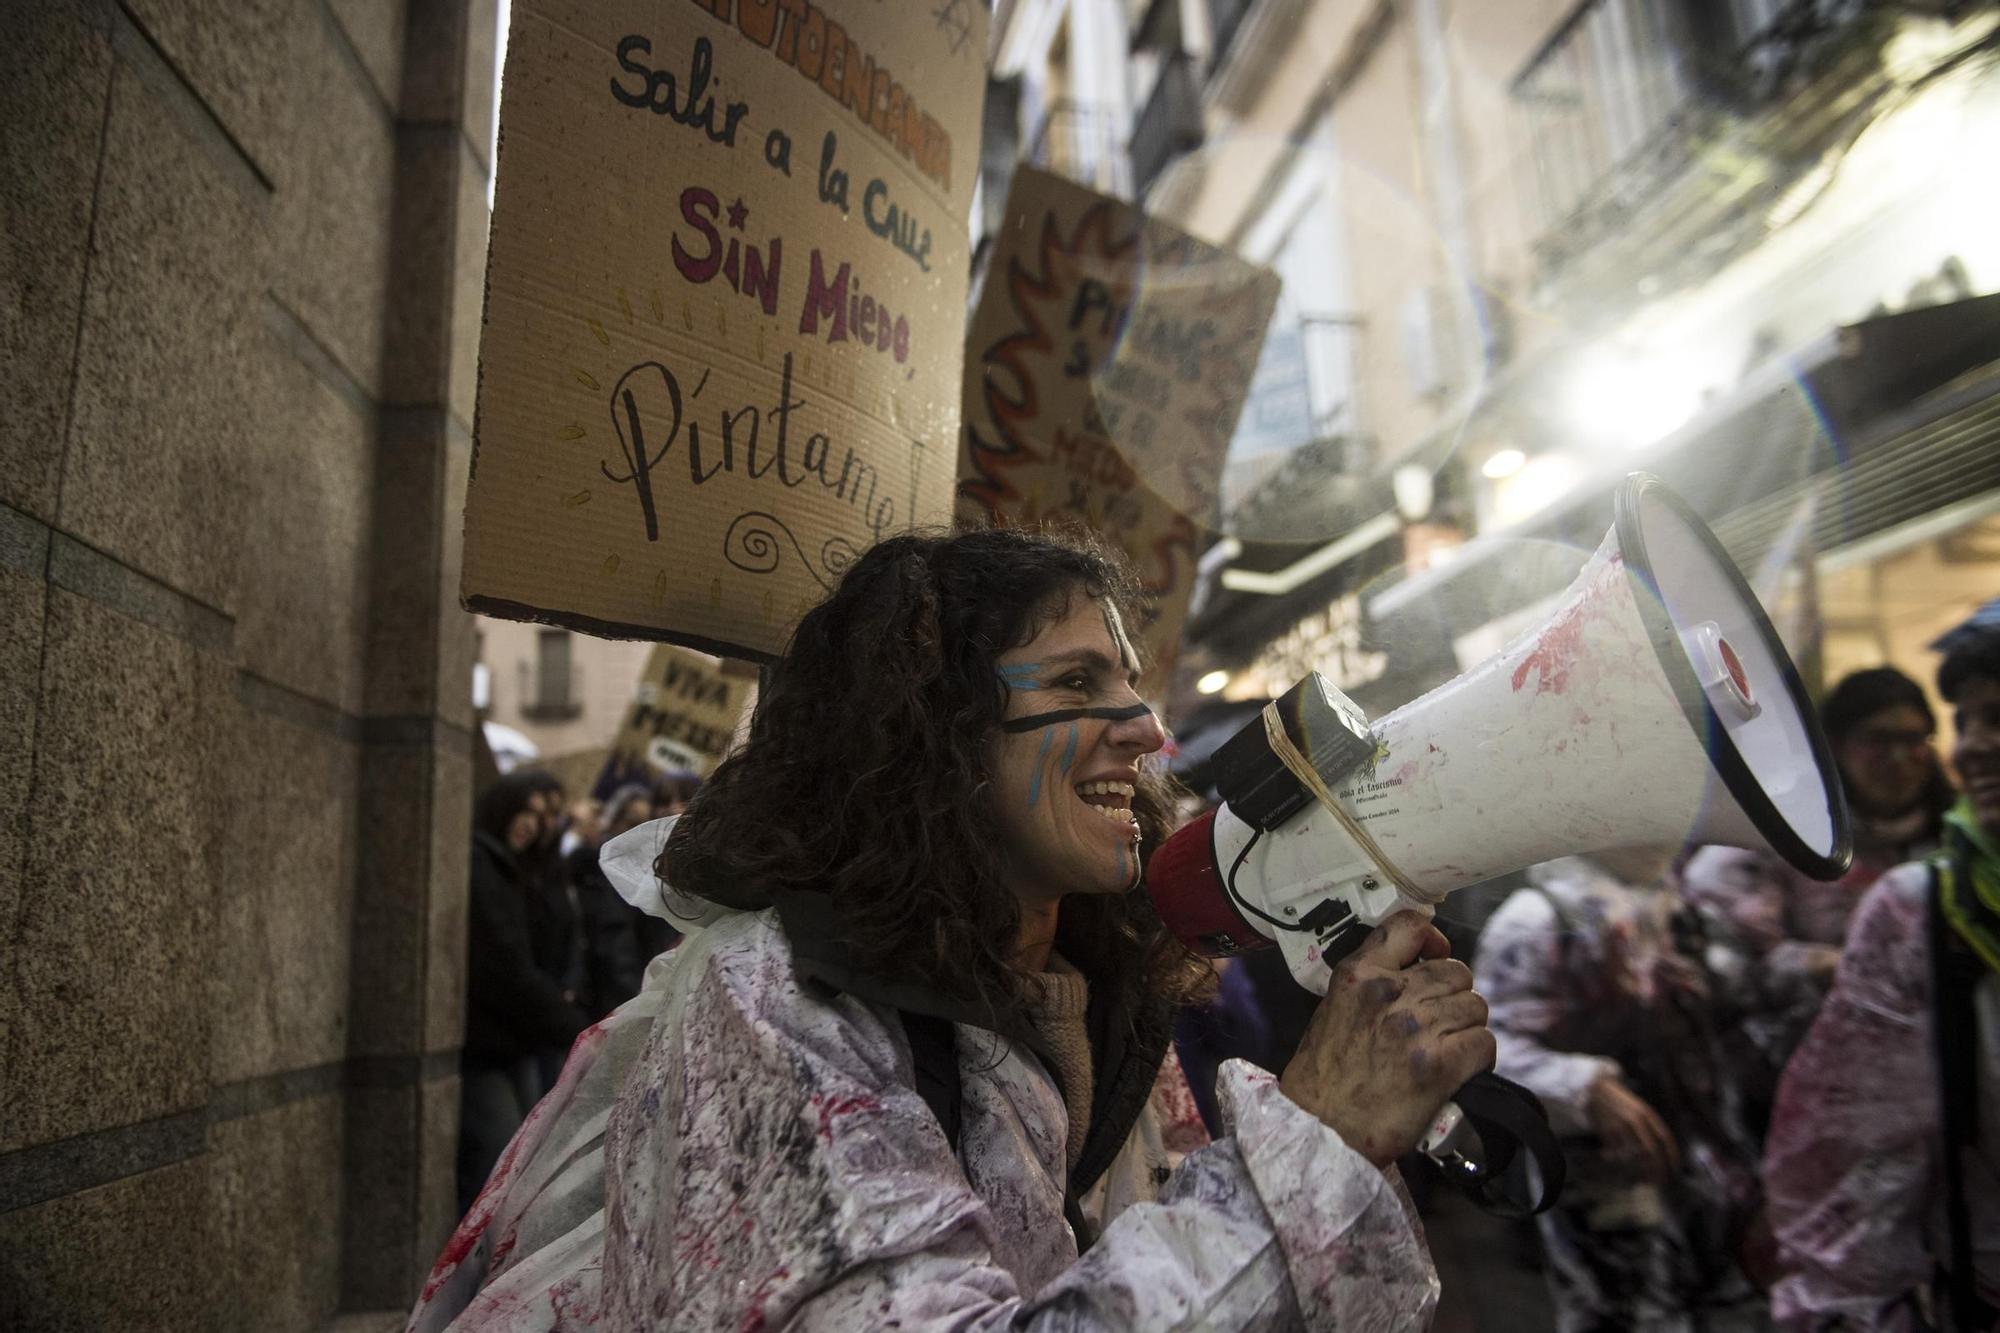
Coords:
526,826
1976,752
1067,755
1887,760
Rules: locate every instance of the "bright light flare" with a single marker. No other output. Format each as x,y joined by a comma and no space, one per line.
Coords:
1212,683
1505,463
1629,401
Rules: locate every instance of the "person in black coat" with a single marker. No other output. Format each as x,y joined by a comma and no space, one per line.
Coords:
513,1008
620,938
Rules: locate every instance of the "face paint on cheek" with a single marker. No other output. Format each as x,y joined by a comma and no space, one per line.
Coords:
1041,759
1069,750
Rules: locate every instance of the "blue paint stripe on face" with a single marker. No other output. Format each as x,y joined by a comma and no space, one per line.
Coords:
1041,757
1069,750
1021,676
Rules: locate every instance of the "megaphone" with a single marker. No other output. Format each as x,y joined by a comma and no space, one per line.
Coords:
1655,705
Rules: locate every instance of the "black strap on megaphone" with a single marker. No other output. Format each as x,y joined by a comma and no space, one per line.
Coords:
1519,1169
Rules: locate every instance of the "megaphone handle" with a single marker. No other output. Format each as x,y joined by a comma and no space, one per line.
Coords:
1505,1119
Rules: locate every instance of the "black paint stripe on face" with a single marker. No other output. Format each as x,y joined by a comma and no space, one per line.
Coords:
1039,720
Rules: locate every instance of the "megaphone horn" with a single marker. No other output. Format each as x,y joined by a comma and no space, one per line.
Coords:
1655,705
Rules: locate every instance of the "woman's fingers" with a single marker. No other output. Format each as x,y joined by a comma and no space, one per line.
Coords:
1446,1014
1467,1052
1400,940
1438,976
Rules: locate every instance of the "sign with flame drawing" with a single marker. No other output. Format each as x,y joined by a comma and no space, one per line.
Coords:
725,297
1105,368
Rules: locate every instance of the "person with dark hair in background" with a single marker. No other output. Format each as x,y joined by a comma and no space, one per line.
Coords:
1773,934
1883,1166
556,929
513,1008
910,1068
619,939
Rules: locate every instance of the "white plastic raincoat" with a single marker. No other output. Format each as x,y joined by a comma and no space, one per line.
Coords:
731,1151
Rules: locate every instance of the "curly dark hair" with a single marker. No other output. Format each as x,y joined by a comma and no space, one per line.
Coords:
864,775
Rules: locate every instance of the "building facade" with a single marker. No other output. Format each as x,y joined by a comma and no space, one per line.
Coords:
565,693
1531,245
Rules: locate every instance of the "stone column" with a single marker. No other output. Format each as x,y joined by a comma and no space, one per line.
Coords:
408,980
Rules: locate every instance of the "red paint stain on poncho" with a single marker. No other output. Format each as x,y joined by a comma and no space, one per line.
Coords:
829,1107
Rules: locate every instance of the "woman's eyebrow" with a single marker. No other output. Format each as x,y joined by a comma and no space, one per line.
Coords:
1089,657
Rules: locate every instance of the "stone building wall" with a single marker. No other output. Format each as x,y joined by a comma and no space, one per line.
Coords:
240,282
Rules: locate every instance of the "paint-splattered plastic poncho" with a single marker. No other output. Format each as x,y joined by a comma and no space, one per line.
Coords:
1852,1169
730,1151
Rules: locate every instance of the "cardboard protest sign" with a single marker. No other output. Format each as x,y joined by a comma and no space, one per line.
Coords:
1105,368
683,714
725,295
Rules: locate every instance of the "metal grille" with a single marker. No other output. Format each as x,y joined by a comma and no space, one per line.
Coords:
1942,463
1618,79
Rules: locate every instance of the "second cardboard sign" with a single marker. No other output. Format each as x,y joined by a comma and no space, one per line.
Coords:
1105,368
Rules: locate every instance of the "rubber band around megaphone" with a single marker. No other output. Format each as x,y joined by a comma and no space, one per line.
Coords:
1299,767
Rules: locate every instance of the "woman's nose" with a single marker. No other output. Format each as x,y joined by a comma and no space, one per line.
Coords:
1142,734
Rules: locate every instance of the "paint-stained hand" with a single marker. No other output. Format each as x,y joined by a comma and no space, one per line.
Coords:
1632,1131
1399,1031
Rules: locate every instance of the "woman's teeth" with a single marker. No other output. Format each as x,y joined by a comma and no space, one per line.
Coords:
1113,800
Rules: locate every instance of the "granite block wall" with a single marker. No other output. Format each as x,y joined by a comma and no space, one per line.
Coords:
239,305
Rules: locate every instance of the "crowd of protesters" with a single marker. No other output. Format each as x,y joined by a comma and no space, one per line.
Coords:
550,946
1740,1061
1777,1097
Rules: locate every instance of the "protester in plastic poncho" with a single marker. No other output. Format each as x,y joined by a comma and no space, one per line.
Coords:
1602,1009
1883,1167
1775,933
928,848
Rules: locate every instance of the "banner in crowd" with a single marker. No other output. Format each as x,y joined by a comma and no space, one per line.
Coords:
726,286
1105,368
682,716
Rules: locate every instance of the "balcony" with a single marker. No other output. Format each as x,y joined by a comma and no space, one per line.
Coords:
1623,102
1083,142
1169,124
